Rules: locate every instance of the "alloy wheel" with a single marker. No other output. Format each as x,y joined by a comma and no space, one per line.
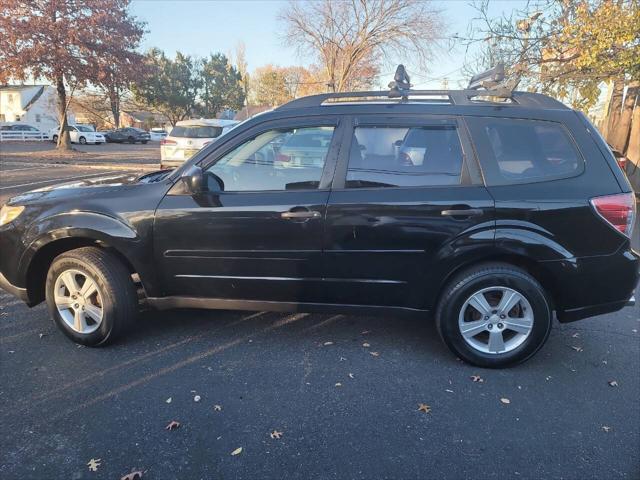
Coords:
495,320
78,300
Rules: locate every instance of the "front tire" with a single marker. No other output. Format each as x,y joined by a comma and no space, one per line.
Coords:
494,315
90,295
83,141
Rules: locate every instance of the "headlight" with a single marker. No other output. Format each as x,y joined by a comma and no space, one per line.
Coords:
9,213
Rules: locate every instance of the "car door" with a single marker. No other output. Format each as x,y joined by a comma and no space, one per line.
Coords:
257,233
407,196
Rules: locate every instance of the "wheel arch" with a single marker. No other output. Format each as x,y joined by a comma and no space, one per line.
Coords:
534,268
36,271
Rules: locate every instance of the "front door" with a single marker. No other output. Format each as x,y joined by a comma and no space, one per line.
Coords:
256,234
406,196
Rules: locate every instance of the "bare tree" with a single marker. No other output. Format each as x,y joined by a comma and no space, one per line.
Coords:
349,37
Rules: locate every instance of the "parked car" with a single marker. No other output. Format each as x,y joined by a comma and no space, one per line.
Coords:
19,128
188,137
20,131
81,134
511,209
158,134
127,135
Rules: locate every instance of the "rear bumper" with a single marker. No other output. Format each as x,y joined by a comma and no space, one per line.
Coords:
594,286
18,292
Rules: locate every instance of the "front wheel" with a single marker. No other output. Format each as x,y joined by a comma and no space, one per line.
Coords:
83,141
90,295
494,316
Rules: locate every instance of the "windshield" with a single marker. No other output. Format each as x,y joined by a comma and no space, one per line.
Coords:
195,131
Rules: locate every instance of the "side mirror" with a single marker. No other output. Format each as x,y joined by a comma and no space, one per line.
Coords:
193,179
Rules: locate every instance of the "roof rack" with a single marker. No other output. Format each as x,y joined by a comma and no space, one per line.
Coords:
490,85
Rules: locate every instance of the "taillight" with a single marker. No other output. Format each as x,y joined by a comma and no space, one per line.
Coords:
281,157
618,210
167,142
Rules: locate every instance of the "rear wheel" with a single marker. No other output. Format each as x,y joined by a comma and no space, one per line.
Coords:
494,315
55,139
83,141
90,295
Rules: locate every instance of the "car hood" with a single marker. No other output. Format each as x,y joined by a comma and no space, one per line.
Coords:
86,186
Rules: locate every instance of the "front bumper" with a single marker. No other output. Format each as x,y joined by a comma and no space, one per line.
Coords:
8,287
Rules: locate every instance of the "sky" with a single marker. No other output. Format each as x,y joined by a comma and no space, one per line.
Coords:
202,27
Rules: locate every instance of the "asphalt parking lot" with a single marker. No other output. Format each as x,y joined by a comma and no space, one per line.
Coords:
342,390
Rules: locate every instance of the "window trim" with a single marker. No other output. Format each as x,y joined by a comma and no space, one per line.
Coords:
484,147
280,124
470,174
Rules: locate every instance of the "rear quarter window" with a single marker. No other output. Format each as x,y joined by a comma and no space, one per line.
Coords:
515,151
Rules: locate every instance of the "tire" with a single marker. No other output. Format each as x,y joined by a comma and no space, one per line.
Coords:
115,295
131,140
523,328
82,141
55,139
144,142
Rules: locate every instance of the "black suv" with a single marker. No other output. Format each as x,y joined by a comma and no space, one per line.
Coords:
489,211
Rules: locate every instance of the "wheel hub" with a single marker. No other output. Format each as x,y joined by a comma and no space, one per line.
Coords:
78,301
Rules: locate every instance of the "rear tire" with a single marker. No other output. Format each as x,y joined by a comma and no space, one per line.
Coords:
83,141
55,139
492,334
98,311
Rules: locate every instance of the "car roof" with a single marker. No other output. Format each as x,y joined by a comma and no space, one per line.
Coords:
206,122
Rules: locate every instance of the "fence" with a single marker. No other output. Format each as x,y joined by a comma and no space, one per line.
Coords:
22,136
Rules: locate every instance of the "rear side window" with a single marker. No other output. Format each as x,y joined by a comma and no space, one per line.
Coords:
404,157
196,131
524,151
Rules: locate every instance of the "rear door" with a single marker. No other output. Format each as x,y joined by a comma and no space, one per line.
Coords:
407,194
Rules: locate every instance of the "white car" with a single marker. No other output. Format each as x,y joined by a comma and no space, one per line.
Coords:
157,134
188,137
79,134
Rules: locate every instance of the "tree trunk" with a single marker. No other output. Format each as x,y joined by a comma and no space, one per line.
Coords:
114,100
64,141
615,109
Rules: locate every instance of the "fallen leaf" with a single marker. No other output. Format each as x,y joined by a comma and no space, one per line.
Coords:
364,332
338,384
196,398
423,407
577,349
606,428
276,434
326,344
93,464
351,375
477,379
137,475
237,451
506,401
168,400
374,354
366,345
612,383
447,390
42,335
548,378
172,425
342,359
575,335
217,408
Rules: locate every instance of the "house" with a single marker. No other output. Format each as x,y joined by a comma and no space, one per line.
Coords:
144,120
35,105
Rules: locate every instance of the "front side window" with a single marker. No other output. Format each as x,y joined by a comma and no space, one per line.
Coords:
282,159
525,151
404,157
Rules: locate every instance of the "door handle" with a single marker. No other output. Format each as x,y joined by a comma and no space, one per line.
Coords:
467,212
300,215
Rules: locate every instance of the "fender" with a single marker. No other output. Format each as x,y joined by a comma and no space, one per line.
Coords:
110,231
521,243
